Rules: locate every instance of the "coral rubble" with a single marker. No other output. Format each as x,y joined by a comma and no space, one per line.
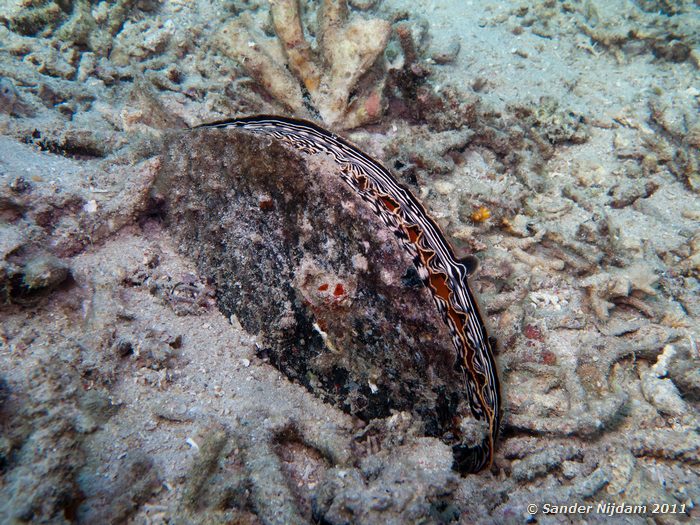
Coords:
126,395
669,30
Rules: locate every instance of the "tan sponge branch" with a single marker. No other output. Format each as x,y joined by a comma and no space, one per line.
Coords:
343,73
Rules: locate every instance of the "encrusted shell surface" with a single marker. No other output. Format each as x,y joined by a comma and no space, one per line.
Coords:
368,340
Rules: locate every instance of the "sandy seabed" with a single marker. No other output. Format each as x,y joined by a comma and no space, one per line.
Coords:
556,141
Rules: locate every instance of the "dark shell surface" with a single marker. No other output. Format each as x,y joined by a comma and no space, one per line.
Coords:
303,262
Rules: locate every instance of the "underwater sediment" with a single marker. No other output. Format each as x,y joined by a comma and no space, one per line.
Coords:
557,141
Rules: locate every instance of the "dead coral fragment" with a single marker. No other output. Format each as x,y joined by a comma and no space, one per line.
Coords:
36,277
45,272
659,390
10,101
342,75
606,287
81,23
677,143
33,17
557,125
262,61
